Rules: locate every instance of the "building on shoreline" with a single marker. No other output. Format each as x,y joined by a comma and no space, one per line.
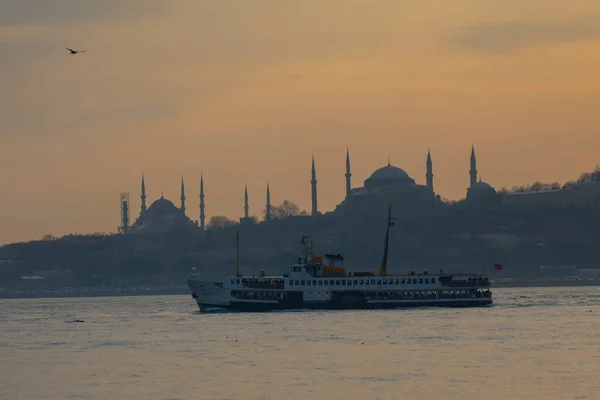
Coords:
387,185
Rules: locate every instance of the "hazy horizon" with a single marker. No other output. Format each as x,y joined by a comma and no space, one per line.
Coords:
247,92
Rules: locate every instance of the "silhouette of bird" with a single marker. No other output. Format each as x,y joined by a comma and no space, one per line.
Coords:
75,51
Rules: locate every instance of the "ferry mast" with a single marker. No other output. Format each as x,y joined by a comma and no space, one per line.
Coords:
383,266
237,253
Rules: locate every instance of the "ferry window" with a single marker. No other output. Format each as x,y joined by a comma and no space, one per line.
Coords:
402,281
314,283
320,283
384,281
291,283
231,281
302,282
421,280
372,281
432,280
360,282
379,282
297,282
337,283
414,281
426,280
237,281
343,282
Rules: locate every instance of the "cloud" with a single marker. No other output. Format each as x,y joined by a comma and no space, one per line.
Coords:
511,36
64,12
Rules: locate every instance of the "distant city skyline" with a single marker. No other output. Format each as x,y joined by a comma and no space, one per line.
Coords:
247,95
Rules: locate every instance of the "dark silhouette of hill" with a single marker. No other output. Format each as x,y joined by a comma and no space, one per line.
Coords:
457,236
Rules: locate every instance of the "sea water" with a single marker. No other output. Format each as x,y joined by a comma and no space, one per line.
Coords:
541,343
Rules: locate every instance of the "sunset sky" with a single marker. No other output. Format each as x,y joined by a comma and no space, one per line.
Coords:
247,91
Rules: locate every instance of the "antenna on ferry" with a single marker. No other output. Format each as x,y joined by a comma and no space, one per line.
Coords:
237,252
383,266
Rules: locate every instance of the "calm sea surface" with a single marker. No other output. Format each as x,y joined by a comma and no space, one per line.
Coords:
533,344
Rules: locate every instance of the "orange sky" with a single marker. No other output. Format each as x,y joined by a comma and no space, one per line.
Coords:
246,91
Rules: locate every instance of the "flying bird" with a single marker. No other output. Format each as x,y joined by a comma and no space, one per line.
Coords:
75,51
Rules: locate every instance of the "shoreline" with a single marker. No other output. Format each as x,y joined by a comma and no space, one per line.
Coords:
183,290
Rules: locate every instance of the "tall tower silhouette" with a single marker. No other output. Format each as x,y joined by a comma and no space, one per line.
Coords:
348,174
429,174
182,196
202,216
268,206
246,207
473,171
313,183
143,196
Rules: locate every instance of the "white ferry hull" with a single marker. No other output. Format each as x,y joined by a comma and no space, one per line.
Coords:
209,295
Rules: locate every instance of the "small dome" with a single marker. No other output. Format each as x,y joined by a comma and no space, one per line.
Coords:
482,186
481,192
389,175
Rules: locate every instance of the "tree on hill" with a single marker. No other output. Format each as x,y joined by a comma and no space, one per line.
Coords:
593,176
285,210
220,221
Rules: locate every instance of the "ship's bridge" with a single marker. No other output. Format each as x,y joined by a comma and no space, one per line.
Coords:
329,265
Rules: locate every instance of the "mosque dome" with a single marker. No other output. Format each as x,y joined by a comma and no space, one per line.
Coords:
481,191
389,175
481,186
162,215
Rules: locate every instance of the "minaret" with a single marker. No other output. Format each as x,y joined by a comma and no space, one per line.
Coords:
348,174
429,174
473,171
313,183
202,216
268,207
143,196
246,208
182,196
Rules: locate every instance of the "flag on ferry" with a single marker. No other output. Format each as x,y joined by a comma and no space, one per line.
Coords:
193,268
497,267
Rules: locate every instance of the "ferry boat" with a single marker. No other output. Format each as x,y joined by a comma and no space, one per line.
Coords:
324,283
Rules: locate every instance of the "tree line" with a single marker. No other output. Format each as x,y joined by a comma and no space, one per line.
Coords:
284,210
593,176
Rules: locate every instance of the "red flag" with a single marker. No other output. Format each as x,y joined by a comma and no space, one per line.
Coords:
193,268
498,267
